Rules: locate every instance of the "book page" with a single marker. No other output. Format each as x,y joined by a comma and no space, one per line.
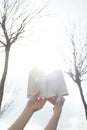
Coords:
42,85
33,84
56,84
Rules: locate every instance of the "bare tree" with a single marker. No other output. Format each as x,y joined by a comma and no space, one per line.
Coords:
77,59
14,16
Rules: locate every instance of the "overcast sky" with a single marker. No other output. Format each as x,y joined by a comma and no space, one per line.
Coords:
40,49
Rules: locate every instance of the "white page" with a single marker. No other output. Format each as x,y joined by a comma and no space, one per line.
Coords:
34,76
56,84
42,85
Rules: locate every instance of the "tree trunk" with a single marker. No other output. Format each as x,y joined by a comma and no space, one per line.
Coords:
83,99
2,82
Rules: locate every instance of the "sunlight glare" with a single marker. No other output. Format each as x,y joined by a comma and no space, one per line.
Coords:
46,58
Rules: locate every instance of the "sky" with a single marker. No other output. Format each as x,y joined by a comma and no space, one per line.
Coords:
42,48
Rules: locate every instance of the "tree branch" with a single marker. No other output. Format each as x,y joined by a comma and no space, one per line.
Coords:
17,33
1,46
84,70
2,43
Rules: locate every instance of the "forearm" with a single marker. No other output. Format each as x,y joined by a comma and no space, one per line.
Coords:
52,124
22,120
34,104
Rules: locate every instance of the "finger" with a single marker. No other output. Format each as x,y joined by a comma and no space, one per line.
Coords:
58,94
41,99
36,94
60,100
52,100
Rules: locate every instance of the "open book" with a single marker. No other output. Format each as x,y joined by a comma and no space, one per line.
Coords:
48,84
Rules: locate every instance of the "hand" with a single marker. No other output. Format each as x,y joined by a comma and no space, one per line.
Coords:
58,102
36,103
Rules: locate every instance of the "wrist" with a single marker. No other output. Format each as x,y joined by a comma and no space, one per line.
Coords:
29,109
57,112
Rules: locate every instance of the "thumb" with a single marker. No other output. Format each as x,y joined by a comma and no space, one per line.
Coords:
36,94
60,100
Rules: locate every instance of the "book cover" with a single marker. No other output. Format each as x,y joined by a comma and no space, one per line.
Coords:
48,84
